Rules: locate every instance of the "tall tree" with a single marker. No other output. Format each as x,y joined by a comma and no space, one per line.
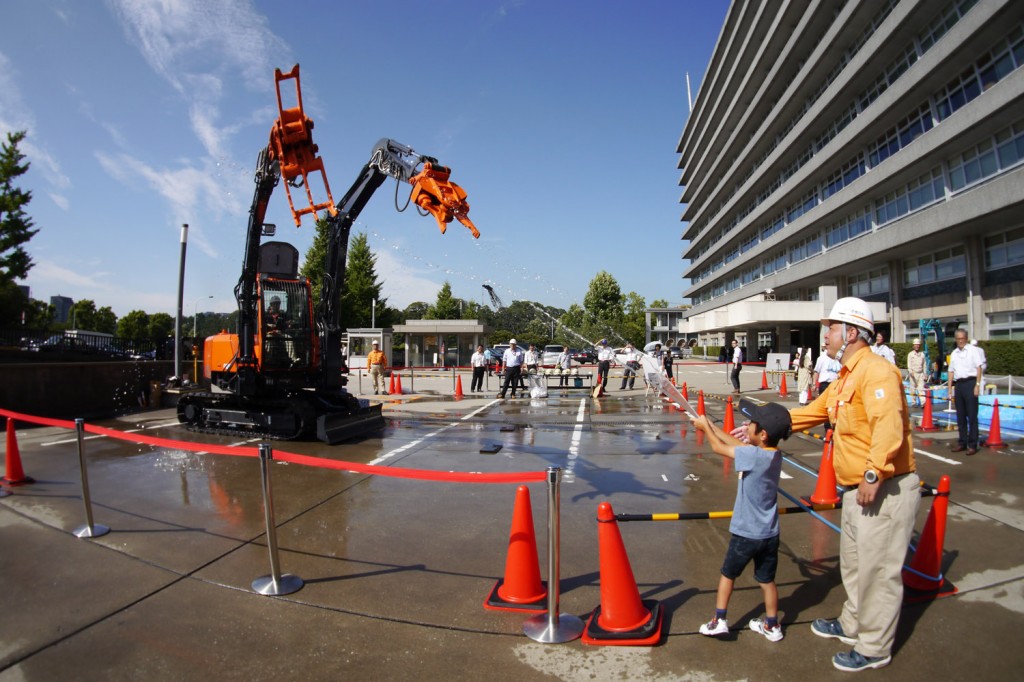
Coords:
361,288
134,326
446,307
603,300
83,315
313,263
15,228
634,322
106,320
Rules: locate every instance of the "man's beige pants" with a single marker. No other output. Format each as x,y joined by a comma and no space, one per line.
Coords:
872,549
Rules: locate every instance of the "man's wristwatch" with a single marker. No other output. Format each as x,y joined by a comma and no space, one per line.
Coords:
870,476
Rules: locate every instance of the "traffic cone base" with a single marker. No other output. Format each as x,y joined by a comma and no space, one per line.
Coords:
521,589
495,602
647,634
13,472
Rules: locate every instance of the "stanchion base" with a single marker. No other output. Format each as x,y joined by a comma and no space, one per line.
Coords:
540,628
288,583
93,531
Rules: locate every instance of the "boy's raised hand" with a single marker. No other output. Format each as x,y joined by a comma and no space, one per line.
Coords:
701,422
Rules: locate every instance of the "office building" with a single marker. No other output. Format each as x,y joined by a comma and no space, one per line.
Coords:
870,148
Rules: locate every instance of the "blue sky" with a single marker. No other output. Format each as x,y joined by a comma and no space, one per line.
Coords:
559,118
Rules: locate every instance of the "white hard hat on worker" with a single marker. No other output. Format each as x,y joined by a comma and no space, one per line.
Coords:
849,312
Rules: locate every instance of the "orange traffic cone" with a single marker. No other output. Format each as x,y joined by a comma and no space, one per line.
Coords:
764,380
995,437
783,393
391,389
458,387
521,588
686,396
925,570
825,491
927,424
13,473
700,402
622,618
398,384
673,380
729,423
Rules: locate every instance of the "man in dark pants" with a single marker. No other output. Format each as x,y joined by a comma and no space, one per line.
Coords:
966,365
737,365
605,357
513,361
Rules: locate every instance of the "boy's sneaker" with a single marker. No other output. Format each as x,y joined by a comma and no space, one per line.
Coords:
853,661
715,627
830,628
772,634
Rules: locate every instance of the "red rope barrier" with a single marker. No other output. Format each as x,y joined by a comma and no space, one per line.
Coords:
294,458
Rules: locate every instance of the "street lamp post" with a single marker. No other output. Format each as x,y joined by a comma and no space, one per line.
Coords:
181,290
195,337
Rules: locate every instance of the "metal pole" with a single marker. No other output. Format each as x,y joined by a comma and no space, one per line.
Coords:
274,584
181,293
553,627
90,529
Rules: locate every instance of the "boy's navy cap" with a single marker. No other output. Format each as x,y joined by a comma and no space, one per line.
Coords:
771,417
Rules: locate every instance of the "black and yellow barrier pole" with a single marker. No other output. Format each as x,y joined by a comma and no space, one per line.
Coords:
697,516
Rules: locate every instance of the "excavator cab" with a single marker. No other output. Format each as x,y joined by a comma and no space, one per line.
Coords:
287,329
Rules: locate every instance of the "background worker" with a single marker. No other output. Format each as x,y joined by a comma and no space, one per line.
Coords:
605,357
375,362
874,459
512,358
564,363
826,370
737,365
632,365
667,357
479,362
915,373
966,365
883,350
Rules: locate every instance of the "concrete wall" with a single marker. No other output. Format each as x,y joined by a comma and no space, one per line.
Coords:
66,390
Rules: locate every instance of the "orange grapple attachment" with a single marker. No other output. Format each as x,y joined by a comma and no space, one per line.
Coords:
291,144
434,192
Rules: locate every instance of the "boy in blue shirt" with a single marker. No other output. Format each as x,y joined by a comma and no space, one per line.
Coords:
755,518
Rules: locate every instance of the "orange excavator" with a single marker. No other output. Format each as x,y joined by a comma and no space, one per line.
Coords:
281,375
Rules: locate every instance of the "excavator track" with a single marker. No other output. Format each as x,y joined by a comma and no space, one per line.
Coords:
299,416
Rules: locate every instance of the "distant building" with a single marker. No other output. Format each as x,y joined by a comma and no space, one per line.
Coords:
664,324
62,308
871,149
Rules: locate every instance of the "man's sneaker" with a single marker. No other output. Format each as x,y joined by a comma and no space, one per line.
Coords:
772,634
853,661
715,627
830,628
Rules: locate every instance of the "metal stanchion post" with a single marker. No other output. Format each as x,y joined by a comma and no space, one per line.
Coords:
553,627
90,529
360,375
274,584
412,380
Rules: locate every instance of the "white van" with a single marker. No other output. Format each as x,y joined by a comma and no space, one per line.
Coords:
549,358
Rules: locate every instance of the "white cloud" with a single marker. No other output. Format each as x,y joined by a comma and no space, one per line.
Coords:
401,284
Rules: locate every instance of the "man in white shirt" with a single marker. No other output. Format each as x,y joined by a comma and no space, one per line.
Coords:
605,358
513,360
632,365
966,365
737,365
564,362
883,350
479,363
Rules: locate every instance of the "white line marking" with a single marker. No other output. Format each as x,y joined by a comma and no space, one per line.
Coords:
664,478
941,459
439,431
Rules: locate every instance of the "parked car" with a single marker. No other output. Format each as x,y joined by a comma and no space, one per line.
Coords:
677,352
584,357
549,358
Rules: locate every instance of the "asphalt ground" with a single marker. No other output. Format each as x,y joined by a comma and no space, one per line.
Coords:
396,569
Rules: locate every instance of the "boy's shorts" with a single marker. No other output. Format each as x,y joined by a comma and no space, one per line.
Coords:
765,554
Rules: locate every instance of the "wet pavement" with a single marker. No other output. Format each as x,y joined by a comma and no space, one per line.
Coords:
396,569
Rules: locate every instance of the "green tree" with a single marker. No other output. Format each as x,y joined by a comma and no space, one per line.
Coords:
603,300
15,228
38,318
634,322
416,310
106,320
446,307
135,327
83,315
361,288
316,254
161,326
659,303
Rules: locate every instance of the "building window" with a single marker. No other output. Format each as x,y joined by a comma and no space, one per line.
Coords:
944,264
1005,249
916,195
1006,326
870,282
1003,151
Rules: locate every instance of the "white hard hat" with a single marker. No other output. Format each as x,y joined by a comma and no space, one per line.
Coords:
917,342
853,311
511,341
